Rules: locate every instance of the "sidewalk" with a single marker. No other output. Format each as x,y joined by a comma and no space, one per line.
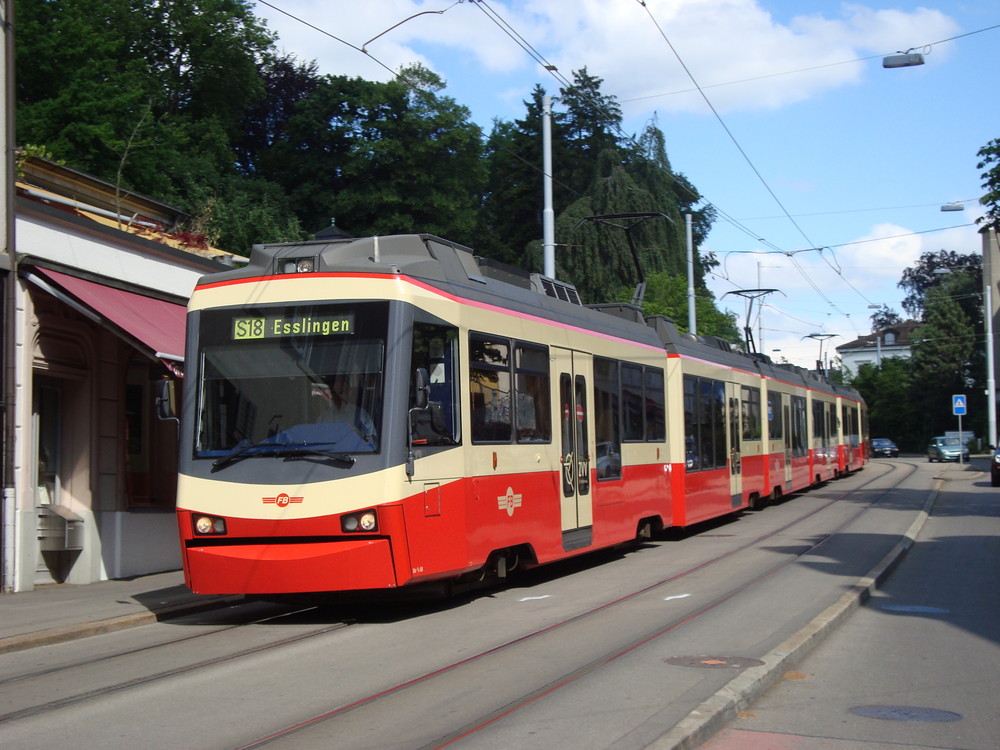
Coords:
56,613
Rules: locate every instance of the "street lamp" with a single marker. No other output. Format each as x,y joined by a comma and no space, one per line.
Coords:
903,59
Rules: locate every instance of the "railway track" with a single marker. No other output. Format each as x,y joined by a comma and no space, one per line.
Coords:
470,683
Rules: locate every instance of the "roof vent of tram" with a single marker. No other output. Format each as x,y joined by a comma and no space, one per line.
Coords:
556,289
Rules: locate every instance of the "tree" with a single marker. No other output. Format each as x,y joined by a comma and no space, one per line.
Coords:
990,162
667,294
144,93
510,218
941,359
382,158
589,127
887,389
286,82
934,269
884,317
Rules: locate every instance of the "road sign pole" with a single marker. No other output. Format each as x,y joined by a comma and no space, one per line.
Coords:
961,443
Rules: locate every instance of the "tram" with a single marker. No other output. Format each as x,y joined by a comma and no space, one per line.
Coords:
386,412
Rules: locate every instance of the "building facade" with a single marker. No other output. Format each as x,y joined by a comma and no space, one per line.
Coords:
893,341
95,315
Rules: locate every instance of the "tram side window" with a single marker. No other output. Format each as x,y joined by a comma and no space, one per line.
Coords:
656,411
607,427
632,402
704,423
435,349
774,419
643,410
531,394
490,389
799,427
751,413
852,426
819,415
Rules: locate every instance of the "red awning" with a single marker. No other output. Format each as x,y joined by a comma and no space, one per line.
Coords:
157,324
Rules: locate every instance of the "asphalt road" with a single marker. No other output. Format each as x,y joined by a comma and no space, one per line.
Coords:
630,649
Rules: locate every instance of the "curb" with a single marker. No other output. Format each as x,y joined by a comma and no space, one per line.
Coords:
719,710
65,633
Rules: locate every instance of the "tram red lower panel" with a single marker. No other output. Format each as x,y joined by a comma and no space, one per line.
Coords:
290,568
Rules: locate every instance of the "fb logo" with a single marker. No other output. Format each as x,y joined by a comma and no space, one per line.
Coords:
282,500
509,502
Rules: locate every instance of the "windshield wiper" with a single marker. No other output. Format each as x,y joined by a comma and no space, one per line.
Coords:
303,450
243,447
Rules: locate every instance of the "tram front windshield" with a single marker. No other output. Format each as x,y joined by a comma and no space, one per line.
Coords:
281,378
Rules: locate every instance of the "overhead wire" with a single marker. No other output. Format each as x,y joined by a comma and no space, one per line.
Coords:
508,29
752,166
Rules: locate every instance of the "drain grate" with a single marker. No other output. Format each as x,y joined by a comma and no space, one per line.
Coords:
905,713
714,662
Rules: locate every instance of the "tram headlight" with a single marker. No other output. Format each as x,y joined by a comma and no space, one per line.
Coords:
363,522
298,265
209,525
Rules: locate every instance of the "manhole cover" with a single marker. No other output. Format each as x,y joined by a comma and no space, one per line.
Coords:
714,662
917,609
905,713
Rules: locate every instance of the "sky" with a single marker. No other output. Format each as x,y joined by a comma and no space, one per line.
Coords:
828,171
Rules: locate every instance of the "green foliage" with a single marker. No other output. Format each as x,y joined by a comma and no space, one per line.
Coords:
144,93
887,391
943,268
990,163
189,102
942,355
382,158
884,317
667,294
510,217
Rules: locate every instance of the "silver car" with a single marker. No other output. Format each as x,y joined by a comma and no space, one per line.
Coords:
946,449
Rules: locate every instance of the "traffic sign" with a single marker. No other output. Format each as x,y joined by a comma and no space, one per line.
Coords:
958,405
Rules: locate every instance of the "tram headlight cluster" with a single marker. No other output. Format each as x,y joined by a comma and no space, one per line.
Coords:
364,521
209,525
297,265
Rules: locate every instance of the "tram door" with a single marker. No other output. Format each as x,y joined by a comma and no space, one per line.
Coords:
575,435
787,432
735,435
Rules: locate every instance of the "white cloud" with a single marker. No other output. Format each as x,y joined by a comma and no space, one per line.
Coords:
720,42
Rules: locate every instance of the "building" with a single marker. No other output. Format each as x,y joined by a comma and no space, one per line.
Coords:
94,316
894,341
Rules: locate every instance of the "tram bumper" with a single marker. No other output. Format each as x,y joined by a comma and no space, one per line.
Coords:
290,568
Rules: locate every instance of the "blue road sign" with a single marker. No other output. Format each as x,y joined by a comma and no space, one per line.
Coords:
958,405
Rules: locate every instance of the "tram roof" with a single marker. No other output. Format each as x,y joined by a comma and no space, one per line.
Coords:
455,269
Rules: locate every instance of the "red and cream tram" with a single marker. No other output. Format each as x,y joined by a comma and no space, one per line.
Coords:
390,411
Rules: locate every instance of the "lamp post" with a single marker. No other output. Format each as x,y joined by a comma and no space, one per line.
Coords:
991,389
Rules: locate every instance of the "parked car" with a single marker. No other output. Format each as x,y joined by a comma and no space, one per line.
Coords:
943,448
995,467
884,447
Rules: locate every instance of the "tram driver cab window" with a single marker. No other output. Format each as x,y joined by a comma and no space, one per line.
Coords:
435,350
342,402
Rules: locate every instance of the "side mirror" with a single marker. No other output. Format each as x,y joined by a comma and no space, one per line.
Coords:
166,400
421,388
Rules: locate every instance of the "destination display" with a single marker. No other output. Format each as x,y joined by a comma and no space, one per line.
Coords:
245,329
